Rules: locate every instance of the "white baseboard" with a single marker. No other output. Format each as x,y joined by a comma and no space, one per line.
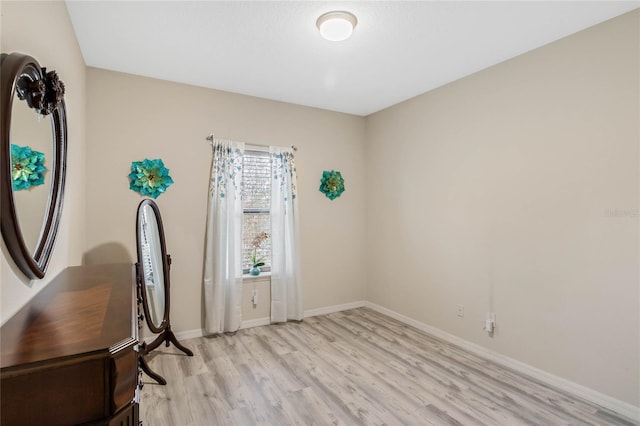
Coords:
191,334
334,308
613,404
188,334
255,322
309,313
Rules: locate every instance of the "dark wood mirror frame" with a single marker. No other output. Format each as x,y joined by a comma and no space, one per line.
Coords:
165,334
21,75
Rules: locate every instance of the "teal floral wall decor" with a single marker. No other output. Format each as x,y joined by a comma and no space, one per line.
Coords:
149,177
27,167
332,184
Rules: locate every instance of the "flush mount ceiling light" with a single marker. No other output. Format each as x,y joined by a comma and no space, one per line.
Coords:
337,25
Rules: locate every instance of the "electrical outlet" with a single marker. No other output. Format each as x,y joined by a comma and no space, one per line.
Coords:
490,323
460,312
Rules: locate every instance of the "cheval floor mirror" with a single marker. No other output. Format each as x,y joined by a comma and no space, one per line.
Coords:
153,270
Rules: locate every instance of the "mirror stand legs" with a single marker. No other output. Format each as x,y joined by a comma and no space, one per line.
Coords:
167,337
173,339
145,367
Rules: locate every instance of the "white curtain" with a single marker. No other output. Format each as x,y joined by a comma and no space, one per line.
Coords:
286,290
223,246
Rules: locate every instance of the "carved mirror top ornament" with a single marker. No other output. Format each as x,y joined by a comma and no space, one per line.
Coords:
30,97
44,95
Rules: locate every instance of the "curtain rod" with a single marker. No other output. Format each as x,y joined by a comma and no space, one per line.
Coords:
212,136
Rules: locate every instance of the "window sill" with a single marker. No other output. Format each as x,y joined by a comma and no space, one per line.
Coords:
264,276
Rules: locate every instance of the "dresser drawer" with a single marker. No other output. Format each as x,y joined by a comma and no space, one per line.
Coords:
58,394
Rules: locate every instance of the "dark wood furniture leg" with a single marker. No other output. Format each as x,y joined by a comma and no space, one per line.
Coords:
145,367
167,337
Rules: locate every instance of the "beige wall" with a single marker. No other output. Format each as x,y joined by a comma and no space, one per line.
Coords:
131,118
515,190
262,309
43,30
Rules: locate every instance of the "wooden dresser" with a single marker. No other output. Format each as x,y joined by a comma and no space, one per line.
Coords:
69,356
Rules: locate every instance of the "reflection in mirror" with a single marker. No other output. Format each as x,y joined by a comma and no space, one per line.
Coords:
152,265
32,130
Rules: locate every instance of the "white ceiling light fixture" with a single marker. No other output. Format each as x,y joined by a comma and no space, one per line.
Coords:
336,25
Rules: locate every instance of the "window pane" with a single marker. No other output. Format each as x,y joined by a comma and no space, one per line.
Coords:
256,181
256,199
255,223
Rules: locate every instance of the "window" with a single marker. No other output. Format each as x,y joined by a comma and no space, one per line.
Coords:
256,199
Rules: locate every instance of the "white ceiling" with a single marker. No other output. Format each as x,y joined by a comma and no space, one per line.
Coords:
273,50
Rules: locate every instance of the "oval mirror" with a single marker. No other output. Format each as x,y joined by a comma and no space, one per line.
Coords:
152,258
32,160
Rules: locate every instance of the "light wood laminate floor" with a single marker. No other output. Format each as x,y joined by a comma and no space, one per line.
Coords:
355,367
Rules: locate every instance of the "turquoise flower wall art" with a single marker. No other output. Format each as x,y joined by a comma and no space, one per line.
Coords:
27,167
331,184
149,177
